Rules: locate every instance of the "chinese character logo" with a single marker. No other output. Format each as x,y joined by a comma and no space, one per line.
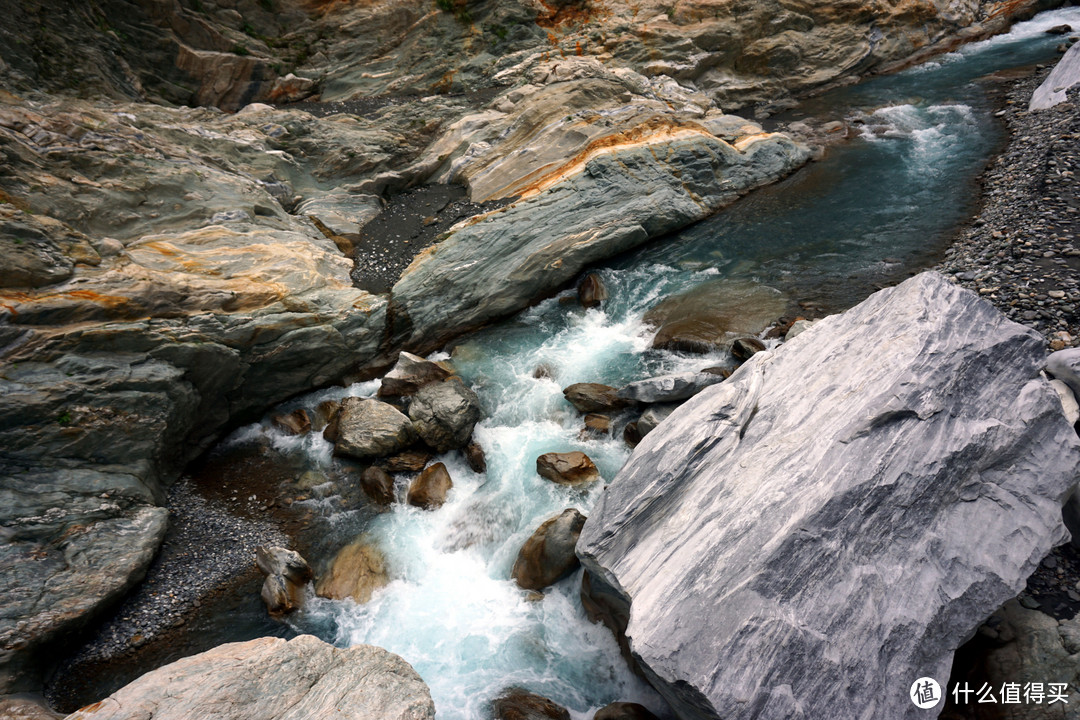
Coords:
925,693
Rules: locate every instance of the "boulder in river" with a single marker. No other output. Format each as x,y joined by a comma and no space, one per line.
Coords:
407,461
370,429
842,513
710,316
624,711
296,422
273,679
286,574
653,416
669,388
548,555
358,570
518,704
409,374
378,485
474,456
593,397
428,491
591,291
570,468
444,414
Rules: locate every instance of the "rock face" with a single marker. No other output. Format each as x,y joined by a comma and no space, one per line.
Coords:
571,468
358,570
783,510
548,555
274,679
286,574
428,491
669,388
371,429
444,414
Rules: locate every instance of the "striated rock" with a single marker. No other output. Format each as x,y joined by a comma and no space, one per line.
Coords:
428,491
295,423
548,555
371,429
653,416
518,704
570,468
358,570
39,251
286,574
712,315
669,388
591,291
798,328
782,509
593,397
444,414
409,374
274,679
474,456
624,711
378,485
1065,75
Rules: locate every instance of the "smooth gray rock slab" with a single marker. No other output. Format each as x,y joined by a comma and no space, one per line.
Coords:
274,679
1064,75
371,429
669,388
444,414
831,523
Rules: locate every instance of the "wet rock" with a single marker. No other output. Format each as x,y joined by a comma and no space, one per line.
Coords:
378,485
1059,30
743,347
325,414
593,397
653,416
543,371
295,423
410,461
409,374
712,315
591,291
274,679
599,424
428,491
624,711
444,414
870,434
548,555
286,574
570,468
17,708
358,570
474,456
669,388
517,704
371,429
631,434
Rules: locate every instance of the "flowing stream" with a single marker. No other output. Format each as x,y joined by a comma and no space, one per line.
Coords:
875,209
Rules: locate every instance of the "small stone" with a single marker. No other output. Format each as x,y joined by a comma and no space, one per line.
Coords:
1050,562
428,491
572,468
1029,602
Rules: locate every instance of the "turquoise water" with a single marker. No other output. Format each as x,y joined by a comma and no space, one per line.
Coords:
875,209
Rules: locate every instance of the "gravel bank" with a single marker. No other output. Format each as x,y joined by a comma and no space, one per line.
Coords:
1020,252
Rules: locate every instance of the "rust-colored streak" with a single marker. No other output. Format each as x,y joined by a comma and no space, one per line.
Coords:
570,14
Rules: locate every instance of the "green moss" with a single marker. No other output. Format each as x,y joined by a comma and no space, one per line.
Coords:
64,418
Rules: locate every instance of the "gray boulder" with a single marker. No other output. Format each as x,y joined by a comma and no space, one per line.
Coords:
548,555
1065,366
371,429
274,679
669,388
841,514
286,574
593,397
653,416
444,414
409,374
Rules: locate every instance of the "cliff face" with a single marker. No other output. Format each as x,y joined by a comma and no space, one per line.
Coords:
172,270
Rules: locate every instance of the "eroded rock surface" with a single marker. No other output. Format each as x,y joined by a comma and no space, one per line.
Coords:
274,679
761,533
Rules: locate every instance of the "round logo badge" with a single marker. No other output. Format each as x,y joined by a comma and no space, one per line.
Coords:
925,693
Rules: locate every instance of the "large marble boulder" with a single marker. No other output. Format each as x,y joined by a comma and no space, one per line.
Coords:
371,429
831,523
274,679
444,414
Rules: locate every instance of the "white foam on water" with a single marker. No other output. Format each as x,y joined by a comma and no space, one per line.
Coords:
1027,30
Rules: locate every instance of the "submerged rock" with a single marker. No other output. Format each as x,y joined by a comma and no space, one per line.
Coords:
286,574
475,457
669,388
624,711
593,397
356,572
444,414
770,520
295,423
517,704
428,491
409,374
548,555
371,429
274,679
712,315
571,468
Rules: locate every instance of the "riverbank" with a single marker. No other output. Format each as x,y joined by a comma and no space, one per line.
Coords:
1020,250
